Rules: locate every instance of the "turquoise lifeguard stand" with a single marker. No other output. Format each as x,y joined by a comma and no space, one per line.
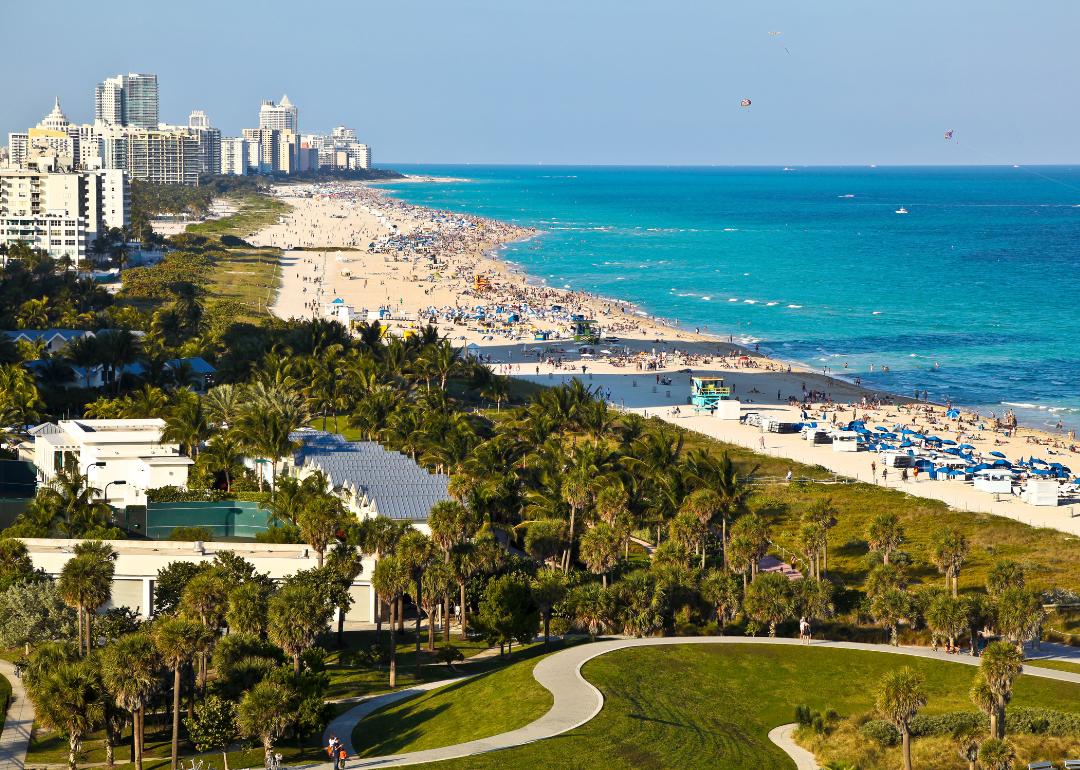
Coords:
584,330
708,392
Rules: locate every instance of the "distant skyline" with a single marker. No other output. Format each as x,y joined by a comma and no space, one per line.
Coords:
590,83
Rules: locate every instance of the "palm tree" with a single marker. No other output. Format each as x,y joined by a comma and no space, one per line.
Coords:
187,425
249,608
721,590
753,535
435,588
86,584
577,490
948,550
390,579
1020,613
70,700
732,496
997,754
966,740
822,514
130,673
816,598
1000,665
297,616
1005,574
498,390
417,551
642,602
600,547
548,588
947,617
287,500
689,531
176,640
83,353
265,712
769,600
899,699
322,516
452,523
890,607
204,599
591,606
223,404
446,362
885,534
119,348
223,455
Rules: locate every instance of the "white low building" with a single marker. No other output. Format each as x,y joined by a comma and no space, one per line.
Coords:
138,563
121,458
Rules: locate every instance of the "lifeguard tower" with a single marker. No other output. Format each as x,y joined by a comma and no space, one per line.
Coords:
480,283
584,330
706,393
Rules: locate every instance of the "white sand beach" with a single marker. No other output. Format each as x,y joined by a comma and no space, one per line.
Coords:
444,258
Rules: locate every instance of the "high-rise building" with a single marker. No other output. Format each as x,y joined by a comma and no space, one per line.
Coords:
266,139
281,117
163,157
61,213
234,156
127,100
209,143
340,150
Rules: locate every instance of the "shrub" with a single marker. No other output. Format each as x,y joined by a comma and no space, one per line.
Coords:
946,724
831,716
819,725
286,533
191,534
881,732
802,715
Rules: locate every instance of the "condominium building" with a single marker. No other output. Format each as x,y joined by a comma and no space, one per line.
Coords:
281,117
61,213
266,139
163,157
340,150
234,156
127,100
54,136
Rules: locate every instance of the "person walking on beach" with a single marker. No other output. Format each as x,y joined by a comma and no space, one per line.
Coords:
762,440
885,476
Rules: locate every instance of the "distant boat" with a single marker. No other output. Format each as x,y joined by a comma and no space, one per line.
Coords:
901,210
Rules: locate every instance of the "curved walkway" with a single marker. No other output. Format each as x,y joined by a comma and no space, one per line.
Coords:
782,737
15,739
577,701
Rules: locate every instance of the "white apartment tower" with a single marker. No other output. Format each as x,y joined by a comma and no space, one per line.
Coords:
209,142
234,156
280,117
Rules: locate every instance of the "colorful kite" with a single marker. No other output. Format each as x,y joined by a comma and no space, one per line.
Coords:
745,102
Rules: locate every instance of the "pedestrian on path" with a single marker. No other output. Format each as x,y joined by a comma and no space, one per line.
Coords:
762,440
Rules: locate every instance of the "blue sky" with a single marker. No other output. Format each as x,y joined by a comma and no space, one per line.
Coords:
584,82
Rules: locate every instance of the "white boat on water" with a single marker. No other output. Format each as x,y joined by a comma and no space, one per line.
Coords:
901,210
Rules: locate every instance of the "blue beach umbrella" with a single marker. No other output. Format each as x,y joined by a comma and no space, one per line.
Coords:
997,454
966,446
953,413
948,441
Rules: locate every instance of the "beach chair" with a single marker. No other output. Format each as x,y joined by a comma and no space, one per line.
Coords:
1072,764
1040,766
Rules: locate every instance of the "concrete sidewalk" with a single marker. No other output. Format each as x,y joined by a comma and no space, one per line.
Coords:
15,739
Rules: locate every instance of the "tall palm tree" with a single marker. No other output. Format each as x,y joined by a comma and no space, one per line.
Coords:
1020,613
223,404
822,514
265,712
417,551
884,533
223,455
322,516
577,489
600,547
69,699
390,579
86,584
1000,665
176,640
498,390
131,674
769,600
187,425
997,754
548,588
297,616
249,608
900,696
721,590
948,550
119,348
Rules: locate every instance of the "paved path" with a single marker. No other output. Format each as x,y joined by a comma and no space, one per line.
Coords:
20,720
781,736
577,701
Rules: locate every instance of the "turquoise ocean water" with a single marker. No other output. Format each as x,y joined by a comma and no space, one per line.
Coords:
980,277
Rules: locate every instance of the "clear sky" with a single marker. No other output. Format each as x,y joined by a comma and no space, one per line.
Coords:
583,81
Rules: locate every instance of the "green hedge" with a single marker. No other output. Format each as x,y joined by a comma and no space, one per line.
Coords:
1031,721
5,698
178,495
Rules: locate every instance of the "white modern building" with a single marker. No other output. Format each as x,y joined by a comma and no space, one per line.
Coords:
234,155
279,117
61,212
122,458
138,563
209,142
340,150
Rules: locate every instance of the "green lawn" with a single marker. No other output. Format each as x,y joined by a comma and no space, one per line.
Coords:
255,213
250,277
486,705
701,706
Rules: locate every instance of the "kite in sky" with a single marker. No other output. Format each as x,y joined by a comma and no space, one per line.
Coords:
745,102
948,134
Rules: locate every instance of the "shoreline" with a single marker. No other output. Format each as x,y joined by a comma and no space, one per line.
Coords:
462,247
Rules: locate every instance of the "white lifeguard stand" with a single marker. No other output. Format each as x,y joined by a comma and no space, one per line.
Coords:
845,441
